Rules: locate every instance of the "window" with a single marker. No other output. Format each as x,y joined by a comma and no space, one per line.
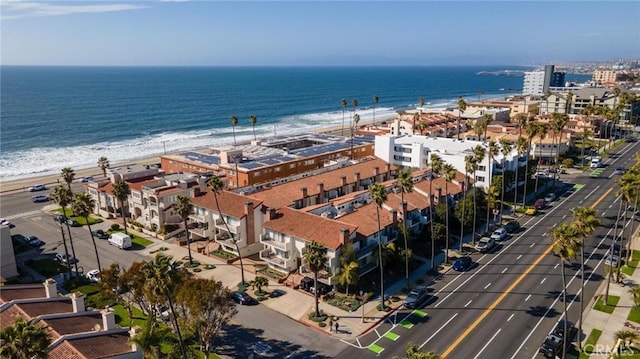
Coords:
292,166
480,178
256,174
482,168
309,162
276,169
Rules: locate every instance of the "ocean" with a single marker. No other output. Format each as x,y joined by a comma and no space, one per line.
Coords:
53,117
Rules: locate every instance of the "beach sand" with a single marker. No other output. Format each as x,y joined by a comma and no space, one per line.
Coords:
55,179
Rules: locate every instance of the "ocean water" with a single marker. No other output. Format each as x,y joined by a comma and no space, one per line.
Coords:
52,117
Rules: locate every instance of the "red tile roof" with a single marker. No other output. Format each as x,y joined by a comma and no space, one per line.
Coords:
231,204
366,219
309,227
101,346
73,324
8,294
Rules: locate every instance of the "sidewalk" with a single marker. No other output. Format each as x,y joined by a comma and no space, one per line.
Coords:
609,324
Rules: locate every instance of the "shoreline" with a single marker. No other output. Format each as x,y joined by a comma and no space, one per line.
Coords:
53,180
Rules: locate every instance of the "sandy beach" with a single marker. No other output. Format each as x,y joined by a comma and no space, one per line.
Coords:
55,179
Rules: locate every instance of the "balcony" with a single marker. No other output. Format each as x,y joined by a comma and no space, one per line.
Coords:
200,232
198,218
219,223
267,240
271,257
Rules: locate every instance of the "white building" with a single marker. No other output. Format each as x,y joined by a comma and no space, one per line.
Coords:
415,152
533,83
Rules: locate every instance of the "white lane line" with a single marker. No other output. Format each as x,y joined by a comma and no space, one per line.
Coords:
520,256
469,302
543,279
532,244
527,298
511,317
565,216
555,266
486,345
603,214
438,331
504,270
544,234
378,334
487,286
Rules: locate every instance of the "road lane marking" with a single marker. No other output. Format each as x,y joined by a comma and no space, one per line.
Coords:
532,244
375,348
520,256
487,286
469,302
504,270
555,266
565,216
511,317
504,294
528,297
543,279
392,336
24,214
406,324
437,331
486,345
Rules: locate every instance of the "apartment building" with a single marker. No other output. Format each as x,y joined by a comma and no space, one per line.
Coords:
270,160
8,268
75,331
587,96
604,76
537,83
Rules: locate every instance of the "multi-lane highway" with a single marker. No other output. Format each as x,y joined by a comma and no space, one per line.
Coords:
506,306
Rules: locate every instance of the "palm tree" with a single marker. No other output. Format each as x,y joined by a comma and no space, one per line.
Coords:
635,293
421,127
216,185
449,173
565,246
627,337
479,152
63,197
405,183
234,122
24,340
505,148
532,131
316,259
68,176
354,103
416,117
585,222
103,164
559,127
184,208
163,280
615,238
375,102
379,196
421,101
462,106
348,275
542,134
253,119
521,148
436,169
413,351
82,205
469,164
486,120
121,191
344,106
356,119
492,152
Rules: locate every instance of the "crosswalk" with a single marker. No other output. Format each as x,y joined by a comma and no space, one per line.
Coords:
25,214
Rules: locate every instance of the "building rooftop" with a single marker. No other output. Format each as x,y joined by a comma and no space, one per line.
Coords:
366,219
231,204
101,345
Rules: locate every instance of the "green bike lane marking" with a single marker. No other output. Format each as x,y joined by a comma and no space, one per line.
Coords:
406,323
375,348
596,172
577,187
392,336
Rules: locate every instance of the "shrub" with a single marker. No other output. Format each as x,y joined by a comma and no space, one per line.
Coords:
115,227
209,266
262,297
321,318
197,270
385,309
322,324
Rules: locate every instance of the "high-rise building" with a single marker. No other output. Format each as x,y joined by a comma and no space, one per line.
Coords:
537,83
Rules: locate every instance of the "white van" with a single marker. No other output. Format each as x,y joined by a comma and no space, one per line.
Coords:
596,162
120,240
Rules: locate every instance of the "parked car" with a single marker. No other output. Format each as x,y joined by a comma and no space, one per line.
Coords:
73,223
540,204
38,187
463,264
416,297
93,275
86,179
60,218
611,260
63,258
541,175
485,244
499,234
164,312
512,226
619,171
262,349
4,222
531,211
39,198
242,298
559,329
34,241
550,197
551,347
100,234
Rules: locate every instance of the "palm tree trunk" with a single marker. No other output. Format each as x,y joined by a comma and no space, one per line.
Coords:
464,202
504,179
564,310
342,131
622,237
186,233
475,198
232,236
315,293
581,292
609,272
405,235
535,190
526,177
380,259
234,134
73,250
93,239
66,250
124,219
515,191
431,207
488,194
254,132
175,322
446,206
633,226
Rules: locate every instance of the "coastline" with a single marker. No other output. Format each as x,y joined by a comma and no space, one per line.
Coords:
22,185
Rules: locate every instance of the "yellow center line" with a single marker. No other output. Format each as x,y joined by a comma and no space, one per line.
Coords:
507,292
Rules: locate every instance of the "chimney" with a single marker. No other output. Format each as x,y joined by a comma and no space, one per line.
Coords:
344,180
271,213
133,333
394,215
251,233
344,235
108,319
304,192
50,288
77,300
357,180
320,192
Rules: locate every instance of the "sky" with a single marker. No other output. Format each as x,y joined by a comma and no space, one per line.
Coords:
314,33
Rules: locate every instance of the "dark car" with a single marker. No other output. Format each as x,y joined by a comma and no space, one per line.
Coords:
551,347
463,264
416,297
512,226
242,298
100,234
34,241
60,218
73,223
559,330
540,204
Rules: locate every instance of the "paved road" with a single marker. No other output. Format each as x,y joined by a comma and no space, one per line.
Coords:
524,307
